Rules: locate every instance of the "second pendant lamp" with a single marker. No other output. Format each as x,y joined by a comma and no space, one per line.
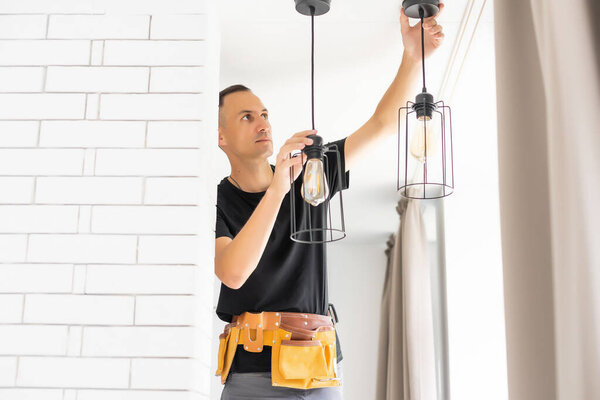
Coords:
311,219
427,152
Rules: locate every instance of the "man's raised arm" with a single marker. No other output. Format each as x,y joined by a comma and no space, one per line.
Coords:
384,119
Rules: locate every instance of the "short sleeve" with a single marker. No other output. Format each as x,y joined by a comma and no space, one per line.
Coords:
221,228
332,165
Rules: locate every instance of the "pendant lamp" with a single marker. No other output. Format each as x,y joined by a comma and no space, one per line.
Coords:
312,218
425,160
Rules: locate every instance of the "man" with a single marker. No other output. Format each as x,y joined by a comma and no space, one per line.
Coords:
265,274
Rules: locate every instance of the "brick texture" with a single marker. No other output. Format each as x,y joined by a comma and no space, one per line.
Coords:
106,108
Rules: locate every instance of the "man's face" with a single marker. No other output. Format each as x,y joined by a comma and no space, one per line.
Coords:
244,126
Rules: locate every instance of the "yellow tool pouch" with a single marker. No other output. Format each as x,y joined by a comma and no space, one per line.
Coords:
227,346
223,339
300,358
304,364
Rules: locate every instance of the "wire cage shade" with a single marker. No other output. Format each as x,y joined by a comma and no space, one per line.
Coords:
324,222
425,158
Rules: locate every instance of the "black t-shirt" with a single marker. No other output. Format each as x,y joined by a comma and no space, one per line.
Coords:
290,276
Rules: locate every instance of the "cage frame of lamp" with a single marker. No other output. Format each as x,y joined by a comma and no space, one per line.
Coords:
298,230
446,186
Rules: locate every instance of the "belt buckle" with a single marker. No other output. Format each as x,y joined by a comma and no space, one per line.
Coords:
253,321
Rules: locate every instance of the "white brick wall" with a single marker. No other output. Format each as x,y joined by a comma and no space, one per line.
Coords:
106,213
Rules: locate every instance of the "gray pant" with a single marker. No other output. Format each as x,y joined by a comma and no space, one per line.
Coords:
257,385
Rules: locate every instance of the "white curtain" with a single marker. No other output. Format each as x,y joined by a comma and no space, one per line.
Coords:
406,363
548,85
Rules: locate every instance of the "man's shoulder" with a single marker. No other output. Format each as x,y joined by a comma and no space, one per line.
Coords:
223,191
337,141
222,183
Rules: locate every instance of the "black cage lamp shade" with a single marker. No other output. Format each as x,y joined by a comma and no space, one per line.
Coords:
316,219
425,153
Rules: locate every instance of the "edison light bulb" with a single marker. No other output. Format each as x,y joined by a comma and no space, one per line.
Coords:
314,188
423,138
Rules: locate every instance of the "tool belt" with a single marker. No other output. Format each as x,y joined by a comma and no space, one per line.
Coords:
303,345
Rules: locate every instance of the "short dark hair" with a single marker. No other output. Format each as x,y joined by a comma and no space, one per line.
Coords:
229,90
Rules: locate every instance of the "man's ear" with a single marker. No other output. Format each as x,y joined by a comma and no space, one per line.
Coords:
220,137
221,140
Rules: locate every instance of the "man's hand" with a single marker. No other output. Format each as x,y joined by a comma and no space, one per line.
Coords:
281,177
411,35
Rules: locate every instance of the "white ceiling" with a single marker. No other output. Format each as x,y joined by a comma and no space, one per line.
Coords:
265,44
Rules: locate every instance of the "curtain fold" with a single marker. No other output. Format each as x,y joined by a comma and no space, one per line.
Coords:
567,45
406,359
548,88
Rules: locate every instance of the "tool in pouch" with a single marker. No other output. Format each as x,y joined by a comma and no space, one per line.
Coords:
303,345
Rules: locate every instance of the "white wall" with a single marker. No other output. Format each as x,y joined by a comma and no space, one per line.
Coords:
105,226
356,275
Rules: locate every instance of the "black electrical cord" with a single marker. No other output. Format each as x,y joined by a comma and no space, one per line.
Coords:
421,11
312,63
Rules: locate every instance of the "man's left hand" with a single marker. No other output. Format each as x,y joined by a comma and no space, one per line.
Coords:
411,35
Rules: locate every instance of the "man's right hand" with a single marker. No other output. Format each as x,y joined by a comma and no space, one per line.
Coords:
281,177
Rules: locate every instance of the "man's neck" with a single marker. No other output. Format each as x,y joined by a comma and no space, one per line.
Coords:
252,176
